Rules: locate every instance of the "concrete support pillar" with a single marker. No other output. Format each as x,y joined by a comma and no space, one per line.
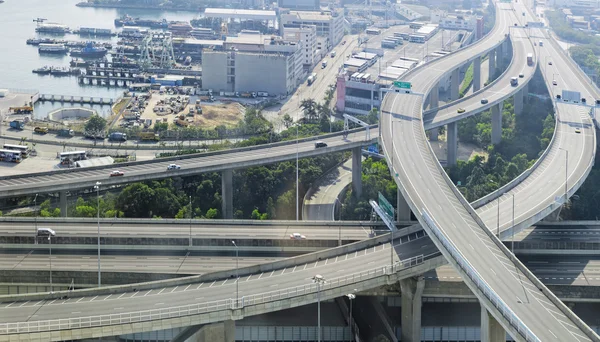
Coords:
499,56
434,97
492,64
402,208
357,171
452,138
63,203
491,330
518,102
497,123
227,193
215,332
454,84
477,74
433,134
384,319
525,91
412,290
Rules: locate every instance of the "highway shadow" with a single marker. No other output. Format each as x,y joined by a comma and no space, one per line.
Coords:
401,116
575,124
563,269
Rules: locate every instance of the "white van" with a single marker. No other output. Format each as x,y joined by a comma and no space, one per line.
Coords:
332,53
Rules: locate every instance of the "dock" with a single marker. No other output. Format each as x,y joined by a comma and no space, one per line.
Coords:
76,99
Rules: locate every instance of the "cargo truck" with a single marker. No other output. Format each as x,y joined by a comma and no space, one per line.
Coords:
16,124
117,136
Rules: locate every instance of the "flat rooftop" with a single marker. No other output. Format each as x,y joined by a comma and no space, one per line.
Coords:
355,62
364,55
240,14
202,42
312,15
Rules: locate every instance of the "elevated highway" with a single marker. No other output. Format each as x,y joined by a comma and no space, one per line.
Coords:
452,223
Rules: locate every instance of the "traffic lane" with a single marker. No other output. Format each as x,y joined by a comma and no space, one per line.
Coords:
31,181
344,265
177,231
576,234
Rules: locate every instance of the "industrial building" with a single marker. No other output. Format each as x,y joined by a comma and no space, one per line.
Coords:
306,35
243,62
329,24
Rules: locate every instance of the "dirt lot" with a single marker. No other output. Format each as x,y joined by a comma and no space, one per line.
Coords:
213,115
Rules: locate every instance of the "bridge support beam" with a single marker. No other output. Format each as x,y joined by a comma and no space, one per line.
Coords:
518,102
454,84
384,319
357,171
402,208
477,74
491,330
215,332
62,196
492,64
412,291
497,123
452,138
227,193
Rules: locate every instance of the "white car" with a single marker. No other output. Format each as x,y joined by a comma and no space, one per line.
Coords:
173,167
297,236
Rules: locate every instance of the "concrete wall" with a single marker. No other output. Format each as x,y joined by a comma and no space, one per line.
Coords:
262,72
214,71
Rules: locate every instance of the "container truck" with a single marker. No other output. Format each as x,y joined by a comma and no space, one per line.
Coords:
41,130
312,78
66,133
149,136
16,124
117,136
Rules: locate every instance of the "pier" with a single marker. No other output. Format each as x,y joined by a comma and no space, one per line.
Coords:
76,99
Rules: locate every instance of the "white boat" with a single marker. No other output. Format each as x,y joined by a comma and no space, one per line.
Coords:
53,48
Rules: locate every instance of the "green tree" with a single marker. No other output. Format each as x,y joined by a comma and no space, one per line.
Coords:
95,124
287,121
310,108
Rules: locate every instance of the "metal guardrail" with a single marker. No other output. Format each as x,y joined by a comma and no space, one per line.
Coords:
474,276
203,308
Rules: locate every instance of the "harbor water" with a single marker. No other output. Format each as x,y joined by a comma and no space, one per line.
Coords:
17,59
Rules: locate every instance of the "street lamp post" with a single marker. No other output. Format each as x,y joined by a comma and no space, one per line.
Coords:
350,296
50,247
319,279
498,219
36,215
237,275
512,242
340,225
190,242
97,187
297,183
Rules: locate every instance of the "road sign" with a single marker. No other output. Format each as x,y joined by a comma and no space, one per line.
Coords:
386,206
402,85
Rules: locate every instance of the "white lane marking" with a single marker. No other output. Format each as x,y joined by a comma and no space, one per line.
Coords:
160,290
550,331
107,297
175,288
211,285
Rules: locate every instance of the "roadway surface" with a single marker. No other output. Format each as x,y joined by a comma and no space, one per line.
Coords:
558,270
265,154
426,189
541,233
320,205
495,92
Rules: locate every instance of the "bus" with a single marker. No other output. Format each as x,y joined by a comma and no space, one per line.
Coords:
388,44
373,31
21,148
73,156
10,156
416,38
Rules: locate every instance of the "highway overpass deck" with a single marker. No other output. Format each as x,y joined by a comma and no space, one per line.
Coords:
74,179
454,226
496,92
